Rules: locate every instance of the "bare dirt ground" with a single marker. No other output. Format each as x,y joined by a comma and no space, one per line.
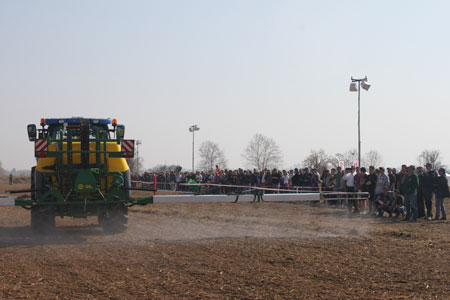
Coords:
226,251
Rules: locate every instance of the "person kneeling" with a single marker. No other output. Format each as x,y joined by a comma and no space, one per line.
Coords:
383,203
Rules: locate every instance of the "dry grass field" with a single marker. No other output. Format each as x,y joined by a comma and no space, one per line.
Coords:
226,251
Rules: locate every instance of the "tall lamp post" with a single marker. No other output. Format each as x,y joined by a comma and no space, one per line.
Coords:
193,129
355,86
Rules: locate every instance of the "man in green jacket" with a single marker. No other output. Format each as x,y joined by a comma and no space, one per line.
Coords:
409,186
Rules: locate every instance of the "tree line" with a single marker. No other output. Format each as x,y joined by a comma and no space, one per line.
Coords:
263,152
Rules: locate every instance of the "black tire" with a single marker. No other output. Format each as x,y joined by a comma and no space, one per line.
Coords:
117,219
42,217
39,184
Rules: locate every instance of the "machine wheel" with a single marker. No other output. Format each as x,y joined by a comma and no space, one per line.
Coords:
39,184
116,221
42,220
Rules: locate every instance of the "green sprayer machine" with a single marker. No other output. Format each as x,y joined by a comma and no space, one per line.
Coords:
81,171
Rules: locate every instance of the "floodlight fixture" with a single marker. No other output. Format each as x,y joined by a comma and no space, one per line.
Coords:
365,85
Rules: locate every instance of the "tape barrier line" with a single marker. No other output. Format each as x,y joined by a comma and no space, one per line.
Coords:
232,198
309,190
266,189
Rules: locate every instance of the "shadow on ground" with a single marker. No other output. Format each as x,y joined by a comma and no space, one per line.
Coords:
23,236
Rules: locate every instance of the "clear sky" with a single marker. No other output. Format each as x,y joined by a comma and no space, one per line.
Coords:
234,68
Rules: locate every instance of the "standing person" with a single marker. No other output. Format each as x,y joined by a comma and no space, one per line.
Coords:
357,181
217,170
331,185
429,178
357,177
276,179
350,187
286,179
371,183
363,188
338,184
10,179
382,182
315,180
409,186
392,179
338,176
400,179
172,180
307,177
291,174
420,198
442,192
295,180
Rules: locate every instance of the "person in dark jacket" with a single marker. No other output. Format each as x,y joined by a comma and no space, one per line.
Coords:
441,192
420,198
392,179
400,179
409,186
307,177
429,178
296,178
371,183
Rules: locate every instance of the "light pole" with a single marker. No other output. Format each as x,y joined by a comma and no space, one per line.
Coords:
138,142
193,129
362,82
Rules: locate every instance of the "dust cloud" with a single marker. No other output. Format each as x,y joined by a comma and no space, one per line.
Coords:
194,222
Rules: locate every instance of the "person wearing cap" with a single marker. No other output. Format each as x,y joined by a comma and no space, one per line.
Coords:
429,178
442,192
409,187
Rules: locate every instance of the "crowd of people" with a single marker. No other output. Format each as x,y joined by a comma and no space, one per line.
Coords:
407,192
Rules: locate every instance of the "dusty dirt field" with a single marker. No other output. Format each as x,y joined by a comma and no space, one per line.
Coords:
227,251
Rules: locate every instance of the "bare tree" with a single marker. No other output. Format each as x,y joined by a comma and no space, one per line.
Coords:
433,157
210,156
317,159
347,157
262,152
372,158
133,164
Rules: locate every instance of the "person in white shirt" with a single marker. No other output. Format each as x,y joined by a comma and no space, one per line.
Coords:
286,179
350,188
